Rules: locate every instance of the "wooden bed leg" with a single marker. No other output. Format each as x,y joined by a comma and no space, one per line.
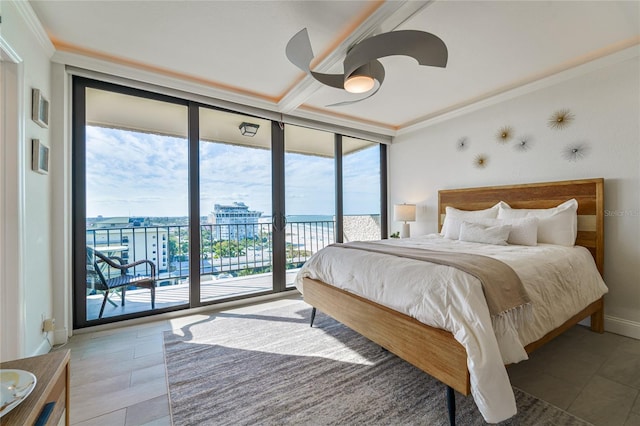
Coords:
313,316
597,321
451,405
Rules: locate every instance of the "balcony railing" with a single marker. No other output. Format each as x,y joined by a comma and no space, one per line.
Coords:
225,249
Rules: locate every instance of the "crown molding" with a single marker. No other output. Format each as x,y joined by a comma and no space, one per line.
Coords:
35,26
7,53
158,79
349,122
624,51
193,90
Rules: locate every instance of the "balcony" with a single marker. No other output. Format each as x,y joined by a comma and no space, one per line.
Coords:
235,260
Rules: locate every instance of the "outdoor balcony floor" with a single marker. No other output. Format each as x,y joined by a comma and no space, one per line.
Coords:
139,300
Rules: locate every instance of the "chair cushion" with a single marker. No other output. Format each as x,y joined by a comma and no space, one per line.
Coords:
125,280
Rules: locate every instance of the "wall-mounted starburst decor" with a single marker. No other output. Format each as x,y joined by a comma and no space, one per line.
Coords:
523,144
463,143
575,152
560,119
505,134
481,161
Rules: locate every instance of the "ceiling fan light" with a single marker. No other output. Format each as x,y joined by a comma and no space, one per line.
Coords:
359,83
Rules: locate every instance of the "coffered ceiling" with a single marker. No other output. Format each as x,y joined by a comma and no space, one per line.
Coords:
237,48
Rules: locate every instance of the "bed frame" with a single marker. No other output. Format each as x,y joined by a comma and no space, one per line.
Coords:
433,350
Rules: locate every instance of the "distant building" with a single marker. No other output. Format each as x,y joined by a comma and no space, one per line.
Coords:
236,221
130,239
110,222
117,222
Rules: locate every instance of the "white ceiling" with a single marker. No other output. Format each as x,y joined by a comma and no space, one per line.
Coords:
238,47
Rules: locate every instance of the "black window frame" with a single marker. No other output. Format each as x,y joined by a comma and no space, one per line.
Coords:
78,179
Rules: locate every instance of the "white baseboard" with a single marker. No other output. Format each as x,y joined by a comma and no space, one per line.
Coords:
622,326
60,336
43,348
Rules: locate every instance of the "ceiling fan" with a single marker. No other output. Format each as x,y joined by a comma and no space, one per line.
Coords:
362,71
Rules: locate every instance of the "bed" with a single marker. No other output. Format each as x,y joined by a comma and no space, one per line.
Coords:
435,350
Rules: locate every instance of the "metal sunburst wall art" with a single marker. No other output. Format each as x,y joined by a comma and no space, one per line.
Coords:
505,134
560,119
480,161
463,143
523,144
575,152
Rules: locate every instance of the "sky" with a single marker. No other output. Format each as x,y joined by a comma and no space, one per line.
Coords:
141,174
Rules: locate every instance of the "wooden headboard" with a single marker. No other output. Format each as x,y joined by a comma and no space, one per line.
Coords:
588,192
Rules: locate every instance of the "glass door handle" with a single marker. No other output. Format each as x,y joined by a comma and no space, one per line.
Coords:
278,222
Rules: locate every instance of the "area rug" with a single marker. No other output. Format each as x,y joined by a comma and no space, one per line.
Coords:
271,368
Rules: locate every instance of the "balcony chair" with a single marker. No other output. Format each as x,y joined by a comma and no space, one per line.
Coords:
98,264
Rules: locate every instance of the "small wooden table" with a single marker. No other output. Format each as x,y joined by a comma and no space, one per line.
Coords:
53,374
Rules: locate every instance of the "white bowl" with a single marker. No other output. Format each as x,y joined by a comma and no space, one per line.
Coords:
15,386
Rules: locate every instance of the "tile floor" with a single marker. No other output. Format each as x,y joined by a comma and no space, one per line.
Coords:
118,376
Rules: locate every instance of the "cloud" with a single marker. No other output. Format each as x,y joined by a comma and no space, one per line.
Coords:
142,174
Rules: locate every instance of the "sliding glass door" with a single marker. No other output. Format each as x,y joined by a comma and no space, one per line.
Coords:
177,204
235,205
133,171
310,194
361,195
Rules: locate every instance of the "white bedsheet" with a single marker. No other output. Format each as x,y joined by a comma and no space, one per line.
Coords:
560,281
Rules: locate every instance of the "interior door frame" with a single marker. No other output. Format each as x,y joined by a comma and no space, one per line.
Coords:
12,203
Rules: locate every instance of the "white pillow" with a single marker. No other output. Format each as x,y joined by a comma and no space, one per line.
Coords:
454,218
477,233
524,231
557,225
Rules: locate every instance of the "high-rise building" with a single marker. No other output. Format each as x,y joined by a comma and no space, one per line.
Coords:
235,221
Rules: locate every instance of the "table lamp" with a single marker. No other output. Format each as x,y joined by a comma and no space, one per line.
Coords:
404,213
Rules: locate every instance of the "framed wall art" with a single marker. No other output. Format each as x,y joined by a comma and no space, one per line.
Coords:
40,108
39,157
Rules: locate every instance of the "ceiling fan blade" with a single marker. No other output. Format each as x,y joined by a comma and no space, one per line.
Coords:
424,47
299,51
377,71
333,80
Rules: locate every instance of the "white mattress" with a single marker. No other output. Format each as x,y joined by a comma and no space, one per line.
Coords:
561,281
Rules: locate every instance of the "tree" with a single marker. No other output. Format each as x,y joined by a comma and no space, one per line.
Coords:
206,242
228,249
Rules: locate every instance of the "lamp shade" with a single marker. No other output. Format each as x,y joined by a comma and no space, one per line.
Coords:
404,212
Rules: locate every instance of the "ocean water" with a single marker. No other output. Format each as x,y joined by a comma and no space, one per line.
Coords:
309,218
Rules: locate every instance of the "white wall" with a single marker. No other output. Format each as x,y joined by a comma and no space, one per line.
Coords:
34,277
606,105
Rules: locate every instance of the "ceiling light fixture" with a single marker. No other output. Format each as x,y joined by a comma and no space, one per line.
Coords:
248,129
360,81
